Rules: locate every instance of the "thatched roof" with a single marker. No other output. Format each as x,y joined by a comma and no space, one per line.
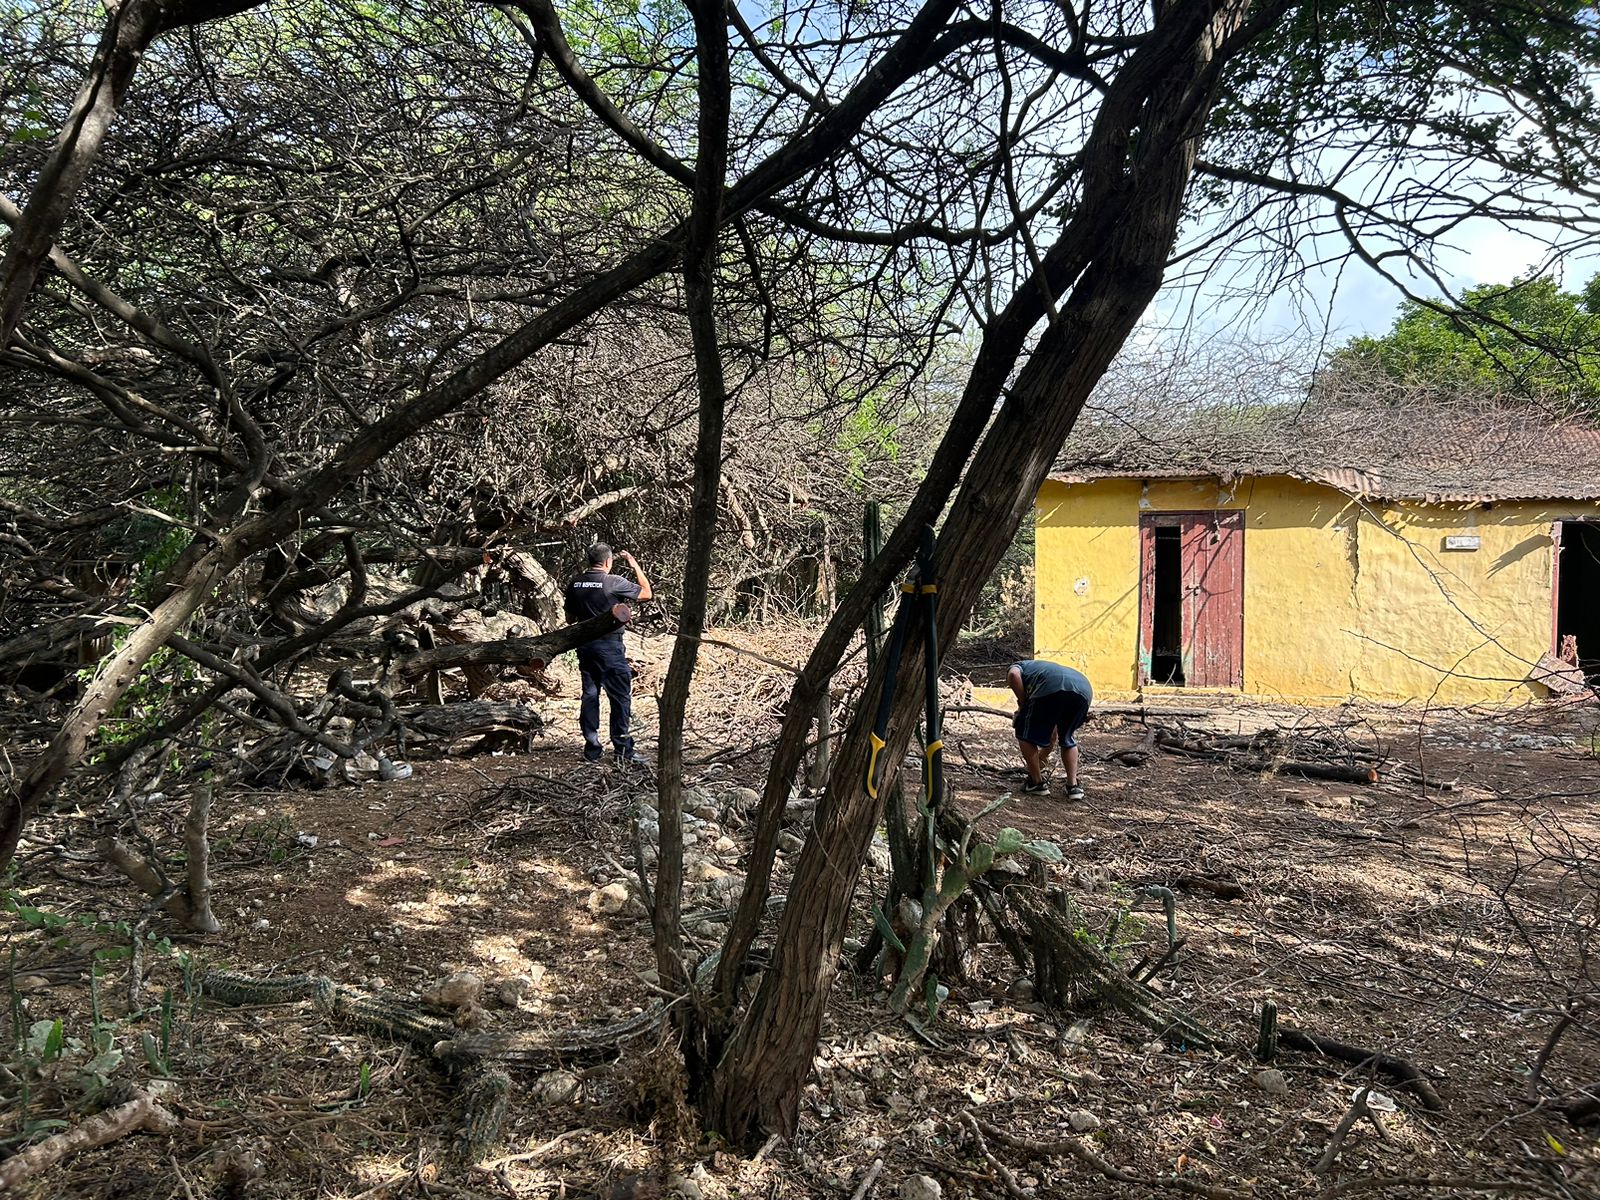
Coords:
1432,453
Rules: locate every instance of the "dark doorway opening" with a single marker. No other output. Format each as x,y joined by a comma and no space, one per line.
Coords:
1166,649
1578,593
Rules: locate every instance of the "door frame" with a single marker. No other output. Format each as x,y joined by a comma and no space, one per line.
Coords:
1149,522
1555,576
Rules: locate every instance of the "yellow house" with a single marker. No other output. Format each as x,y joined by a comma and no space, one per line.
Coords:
1414,562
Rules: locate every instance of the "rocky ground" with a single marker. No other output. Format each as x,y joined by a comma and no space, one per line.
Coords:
1450,927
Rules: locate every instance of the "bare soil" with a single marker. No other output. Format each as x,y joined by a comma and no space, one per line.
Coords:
1451,928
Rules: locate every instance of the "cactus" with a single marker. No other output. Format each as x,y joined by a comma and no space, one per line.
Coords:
487,1091
1267,1041
966,863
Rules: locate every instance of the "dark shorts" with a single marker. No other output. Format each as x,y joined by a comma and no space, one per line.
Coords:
1038,722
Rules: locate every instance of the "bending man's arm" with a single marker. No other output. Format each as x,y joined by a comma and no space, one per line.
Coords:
1014,678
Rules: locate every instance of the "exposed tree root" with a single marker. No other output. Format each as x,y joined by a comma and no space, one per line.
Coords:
139,1114
1398,1070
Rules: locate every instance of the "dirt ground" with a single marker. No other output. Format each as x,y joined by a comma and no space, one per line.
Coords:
1452,928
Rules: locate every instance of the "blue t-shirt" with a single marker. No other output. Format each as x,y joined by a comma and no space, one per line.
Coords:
1043,678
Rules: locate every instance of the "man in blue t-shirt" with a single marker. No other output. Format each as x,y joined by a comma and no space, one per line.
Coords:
603,663
1052,703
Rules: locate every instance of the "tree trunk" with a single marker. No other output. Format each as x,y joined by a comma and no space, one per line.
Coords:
1167,88
700,264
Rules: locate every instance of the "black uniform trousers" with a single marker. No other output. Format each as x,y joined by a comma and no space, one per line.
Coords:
603,664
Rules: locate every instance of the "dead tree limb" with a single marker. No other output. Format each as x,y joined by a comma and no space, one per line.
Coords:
145,877
1401,1072
514,651
1358,1109
198,847
140,1114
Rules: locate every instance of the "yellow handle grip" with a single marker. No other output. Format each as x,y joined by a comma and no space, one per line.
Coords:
872,765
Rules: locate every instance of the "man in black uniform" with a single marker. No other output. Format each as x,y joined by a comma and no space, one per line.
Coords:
603,663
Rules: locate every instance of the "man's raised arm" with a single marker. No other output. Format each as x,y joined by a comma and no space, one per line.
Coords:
646,592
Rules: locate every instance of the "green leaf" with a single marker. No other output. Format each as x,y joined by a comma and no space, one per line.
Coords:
1044,851
152,1055
889,935
45,1039
38,918
55,1041
980,860
1008,841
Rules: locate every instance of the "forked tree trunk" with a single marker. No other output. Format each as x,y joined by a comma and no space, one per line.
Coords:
1168,89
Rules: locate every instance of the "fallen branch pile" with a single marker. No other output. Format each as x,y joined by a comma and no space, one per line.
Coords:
1273,752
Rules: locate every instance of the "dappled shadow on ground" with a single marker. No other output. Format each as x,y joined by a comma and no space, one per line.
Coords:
1444,927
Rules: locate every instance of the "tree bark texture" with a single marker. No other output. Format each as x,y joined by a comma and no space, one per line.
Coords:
1145,142
699,273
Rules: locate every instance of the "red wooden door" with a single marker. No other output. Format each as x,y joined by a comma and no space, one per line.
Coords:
1208,592
1213,601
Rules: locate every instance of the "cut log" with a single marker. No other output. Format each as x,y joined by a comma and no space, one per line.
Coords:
515,651
1338,772
448,727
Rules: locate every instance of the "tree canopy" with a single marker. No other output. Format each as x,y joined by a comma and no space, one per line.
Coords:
1528,338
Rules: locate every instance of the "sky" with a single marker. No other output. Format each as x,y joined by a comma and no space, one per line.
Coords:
1328,305
1358,301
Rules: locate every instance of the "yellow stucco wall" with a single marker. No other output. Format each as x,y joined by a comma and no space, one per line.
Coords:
1342,598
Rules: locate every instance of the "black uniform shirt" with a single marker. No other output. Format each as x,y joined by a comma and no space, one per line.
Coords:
594,592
